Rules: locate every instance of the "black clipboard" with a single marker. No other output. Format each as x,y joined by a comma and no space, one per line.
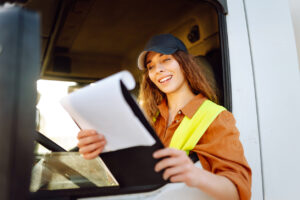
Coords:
132,167
135,166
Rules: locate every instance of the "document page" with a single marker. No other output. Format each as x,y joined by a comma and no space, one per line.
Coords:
102,107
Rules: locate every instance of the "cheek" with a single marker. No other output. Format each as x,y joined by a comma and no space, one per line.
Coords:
181,74
174,66
151,77
177,69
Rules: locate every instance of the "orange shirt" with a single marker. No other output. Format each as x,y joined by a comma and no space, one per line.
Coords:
219,150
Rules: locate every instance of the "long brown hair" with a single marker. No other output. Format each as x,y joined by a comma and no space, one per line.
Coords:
150,96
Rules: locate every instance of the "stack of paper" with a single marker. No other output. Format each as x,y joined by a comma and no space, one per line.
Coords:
102,107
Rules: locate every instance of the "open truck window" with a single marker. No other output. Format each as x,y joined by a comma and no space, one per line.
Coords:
84,41
52,120
87,40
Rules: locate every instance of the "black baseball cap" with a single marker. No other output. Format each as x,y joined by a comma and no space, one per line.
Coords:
163,43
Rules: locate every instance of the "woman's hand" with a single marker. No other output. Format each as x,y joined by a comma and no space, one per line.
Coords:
90,143
179,167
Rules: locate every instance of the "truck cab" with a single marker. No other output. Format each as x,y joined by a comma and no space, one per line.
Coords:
246,48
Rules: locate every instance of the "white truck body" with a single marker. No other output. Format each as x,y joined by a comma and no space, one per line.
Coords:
294,8
265,85
262,42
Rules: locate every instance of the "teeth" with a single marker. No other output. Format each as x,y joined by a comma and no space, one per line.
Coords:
165,79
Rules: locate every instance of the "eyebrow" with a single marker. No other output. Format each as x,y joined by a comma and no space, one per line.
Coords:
148,62
160,55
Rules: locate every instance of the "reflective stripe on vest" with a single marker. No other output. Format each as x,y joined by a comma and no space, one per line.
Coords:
190,131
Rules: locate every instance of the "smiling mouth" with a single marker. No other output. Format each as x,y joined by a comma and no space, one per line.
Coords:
165,79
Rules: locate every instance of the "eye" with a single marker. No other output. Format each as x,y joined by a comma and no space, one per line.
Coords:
166,59
150,67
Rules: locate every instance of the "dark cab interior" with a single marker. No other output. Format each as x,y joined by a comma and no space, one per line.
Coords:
86,40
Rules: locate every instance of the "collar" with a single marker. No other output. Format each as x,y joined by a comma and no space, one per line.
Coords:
191,107
163,108
188,110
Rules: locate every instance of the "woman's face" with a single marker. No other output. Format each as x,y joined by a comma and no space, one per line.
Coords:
165,72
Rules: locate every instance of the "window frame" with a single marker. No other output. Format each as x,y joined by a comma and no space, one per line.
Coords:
221,8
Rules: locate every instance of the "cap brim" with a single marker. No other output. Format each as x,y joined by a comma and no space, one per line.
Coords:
141,58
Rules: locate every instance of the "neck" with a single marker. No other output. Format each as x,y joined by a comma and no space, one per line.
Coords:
180,98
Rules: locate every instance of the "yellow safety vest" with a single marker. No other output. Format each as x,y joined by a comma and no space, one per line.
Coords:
190,131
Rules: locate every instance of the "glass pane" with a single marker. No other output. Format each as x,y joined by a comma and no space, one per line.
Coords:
52,120
68,170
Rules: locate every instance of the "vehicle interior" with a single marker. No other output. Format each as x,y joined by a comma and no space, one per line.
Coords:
86,40
83,41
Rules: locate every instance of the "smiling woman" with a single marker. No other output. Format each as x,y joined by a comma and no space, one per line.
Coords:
187,76
175,94
165,73
182,108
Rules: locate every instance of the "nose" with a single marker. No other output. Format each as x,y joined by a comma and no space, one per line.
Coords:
160,68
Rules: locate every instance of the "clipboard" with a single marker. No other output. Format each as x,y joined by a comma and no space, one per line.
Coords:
132,167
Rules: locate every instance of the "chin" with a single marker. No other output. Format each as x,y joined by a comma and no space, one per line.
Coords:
168,90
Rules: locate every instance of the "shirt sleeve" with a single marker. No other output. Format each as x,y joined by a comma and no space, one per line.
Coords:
221,152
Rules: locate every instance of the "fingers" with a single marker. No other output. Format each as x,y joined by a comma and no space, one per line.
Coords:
90,143
178,178
93,154
91,139
176,163
92,147
177,166
85,133
168,162
167,152
172,157
173,171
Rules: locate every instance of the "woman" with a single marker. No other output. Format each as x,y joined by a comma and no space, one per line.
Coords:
173,93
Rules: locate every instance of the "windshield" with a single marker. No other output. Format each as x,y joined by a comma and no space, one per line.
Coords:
52,120
62,170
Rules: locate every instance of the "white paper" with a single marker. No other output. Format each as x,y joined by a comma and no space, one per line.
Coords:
102,107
